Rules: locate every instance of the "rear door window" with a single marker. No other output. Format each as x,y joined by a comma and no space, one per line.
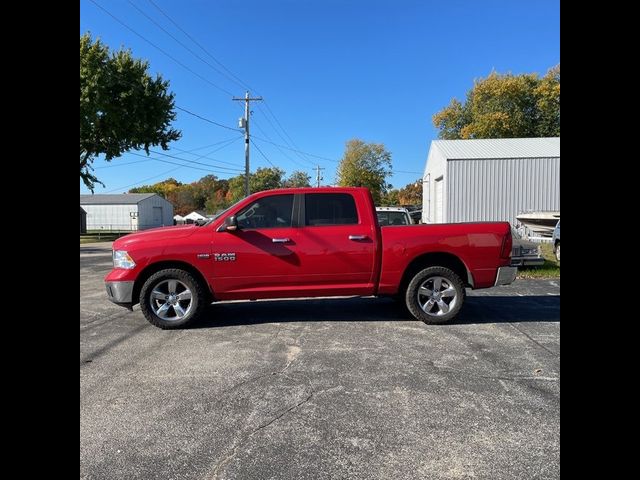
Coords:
330,209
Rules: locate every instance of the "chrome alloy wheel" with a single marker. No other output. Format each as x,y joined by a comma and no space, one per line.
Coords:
171,300
436,296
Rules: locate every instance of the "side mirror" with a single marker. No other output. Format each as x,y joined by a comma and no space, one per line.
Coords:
230,224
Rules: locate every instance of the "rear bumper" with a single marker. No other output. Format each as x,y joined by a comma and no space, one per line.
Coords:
506,275
527,262
120,293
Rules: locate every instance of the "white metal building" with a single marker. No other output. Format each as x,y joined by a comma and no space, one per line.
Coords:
126,212
490,179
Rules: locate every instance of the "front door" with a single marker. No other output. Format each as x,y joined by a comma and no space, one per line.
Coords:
259,260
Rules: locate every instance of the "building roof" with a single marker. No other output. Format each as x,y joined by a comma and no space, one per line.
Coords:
195,215
498,148
82,210
116,199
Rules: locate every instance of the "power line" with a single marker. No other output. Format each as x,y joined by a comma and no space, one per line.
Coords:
122,164
180,164
239,81
145,180
297,150
158,48
213,144
276,130
195,162
235,78
281,151
205,119
265,157
205,155
178,41
190,152
300,151
224,146
285,132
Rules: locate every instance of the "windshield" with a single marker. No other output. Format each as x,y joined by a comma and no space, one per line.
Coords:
392,218
218,215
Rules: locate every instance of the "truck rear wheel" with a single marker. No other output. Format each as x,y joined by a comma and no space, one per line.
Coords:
435,295
172,298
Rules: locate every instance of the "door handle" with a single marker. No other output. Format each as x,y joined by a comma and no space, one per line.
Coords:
357,237
280,240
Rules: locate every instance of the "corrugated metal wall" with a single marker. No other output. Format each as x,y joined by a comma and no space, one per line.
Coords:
146,218
111,217
499,189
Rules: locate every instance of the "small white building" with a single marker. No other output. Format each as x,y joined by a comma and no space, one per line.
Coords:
126,212
490,179
194,216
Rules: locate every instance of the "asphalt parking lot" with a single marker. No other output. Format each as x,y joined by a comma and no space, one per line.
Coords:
314,389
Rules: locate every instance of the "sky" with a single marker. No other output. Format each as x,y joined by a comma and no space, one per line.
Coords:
328,70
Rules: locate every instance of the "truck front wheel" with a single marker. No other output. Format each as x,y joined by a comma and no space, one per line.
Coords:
435,295
172,298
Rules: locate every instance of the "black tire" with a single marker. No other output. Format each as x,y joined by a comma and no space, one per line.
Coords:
451,303
558,252
152,306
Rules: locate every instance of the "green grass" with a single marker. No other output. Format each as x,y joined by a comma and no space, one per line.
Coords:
550,268
103,237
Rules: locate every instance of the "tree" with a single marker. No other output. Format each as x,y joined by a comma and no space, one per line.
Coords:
297,179
236,189
262,179
505,106
411,193
266,179
218,200
121,106
365,165
390,198
161,188
185,200
548,103
209,194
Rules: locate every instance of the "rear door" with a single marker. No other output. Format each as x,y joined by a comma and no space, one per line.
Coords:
335,245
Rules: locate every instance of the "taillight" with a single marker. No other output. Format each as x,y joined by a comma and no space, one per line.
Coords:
507,245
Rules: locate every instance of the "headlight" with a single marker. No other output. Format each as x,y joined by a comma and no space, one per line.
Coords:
121,259
530,251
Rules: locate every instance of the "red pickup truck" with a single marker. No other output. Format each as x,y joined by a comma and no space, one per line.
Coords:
306,242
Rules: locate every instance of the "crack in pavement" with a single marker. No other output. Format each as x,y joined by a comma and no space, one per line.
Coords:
292,355
238,444
534,340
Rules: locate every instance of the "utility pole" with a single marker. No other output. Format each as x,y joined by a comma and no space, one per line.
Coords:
244,123
318,177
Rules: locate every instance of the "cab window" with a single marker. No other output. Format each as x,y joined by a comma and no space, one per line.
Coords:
267,212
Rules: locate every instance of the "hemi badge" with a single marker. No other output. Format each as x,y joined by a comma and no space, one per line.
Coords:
203,255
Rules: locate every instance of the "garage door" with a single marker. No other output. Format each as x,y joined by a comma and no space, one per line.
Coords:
157,216
438,202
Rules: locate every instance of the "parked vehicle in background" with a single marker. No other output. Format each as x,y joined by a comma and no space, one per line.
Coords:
393,216
416,215
306,242
556,241
525,253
